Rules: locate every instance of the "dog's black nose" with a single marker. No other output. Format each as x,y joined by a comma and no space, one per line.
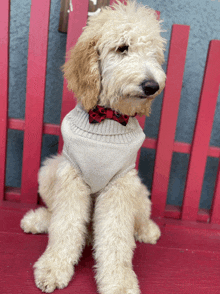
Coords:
150,87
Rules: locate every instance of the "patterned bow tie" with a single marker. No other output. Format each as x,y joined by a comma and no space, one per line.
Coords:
100,113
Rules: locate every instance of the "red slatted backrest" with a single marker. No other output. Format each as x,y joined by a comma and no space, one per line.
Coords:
165,145
200,149
202,134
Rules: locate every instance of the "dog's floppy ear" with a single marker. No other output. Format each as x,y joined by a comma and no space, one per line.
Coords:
82,73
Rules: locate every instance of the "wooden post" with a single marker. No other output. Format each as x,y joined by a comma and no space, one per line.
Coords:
94,6
63,23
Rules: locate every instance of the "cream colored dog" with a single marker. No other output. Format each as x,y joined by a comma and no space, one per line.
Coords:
116,64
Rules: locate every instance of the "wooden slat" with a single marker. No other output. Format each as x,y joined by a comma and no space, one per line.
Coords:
4,74
174,212
203,215
16,124
141,120
35,92
214,152
150,143
169,114
19,124
51,129
181,147
215,211
77,20
13,194
203,128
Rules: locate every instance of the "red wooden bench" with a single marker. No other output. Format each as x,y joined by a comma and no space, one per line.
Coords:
187,257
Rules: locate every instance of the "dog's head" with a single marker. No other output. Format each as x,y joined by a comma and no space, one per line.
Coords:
117,60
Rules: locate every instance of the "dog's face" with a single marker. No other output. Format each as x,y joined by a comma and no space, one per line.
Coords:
117,60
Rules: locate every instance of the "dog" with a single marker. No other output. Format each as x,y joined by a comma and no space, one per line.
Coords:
115,72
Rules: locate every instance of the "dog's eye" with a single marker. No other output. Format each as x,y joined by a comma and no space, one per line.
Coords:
123,49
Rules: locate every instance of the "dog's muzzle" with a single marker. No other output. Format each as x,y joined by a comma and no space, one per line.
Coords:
149,87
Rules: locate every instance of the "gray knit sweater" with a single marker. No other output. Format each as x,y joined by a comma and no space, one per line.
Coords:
100,152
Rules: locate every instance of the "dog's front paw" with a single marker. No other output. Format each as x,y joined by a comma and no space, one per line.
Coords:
119,281
51,273
150,233
126,290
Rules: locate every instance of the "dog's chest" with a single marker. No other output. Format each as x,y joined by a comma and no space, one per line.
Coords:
103,152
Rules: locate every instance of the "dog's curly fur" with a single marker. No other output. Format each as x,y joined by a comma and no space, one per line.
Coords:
118,50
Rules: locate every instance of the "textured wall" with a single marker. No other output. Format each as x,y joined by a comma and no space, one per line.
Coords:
204,18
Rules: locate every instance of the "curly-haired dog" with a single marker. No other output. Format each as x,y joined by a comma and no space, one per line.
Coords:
115,72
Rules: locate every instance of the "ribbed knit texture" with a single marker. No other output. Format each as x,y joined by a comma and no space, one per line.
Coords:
100,152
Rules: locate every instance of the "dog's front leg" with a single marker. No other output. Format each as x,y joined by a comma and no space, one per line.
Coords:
70,214
114,219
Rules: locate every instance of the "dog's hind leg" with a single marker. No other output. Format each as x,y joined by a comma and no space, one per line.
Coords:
36,221
114,219
70,205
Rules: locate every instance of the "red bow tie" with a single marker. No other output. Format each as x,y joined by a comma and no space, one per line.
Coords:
100,113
